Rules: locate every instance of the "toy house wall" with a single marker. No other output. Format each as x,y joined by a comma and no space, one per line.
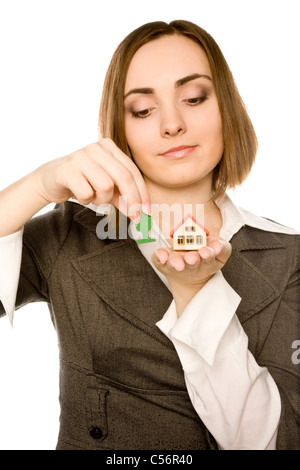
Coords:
190,241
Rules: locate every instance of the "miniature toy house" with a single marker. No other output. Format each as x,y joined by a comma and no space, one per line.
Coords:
189,234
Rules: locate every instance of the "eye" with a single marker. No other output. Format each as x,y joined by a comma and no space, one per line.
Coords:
142,114
197,100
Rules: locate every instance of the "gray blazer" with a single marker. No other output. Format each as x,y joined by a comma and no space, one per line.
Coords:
121,381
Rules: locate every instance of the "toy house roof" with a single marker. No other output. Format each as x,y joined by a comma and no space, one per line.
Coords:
188,216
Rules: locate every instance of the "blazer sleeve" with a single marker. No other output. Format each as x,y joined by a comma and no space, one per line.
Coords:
43,237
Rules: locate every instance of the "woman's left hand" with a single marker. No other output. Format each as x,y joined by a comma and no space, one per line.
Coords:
188,271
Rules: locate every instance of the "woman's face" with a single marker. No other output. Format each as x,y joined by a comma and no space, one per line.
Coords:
172,119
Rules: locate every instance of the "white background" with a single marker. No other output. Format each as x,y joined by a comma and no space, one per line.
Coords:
53,57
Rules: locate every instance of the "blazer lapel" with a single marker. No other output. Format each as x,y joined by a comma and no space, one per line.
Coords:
249,269
123,278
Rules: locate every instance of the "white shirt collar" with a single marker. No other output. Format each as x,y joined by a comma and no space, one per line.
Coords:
234,218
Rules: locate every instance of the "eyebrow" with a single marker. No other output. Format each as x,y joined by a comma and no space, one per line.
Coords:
178,83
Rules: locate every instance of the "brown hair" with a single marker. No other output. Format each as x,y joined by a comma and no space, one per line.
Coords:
240,143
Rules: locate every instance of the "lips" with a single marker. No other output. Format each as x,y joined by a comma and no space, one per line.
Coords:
179,152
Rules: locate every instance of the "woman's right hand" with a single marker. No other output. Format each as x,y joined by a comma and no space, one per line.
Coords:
99,173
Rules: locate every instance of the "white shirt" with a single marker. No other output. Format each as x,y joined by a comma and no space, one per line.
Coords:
220,372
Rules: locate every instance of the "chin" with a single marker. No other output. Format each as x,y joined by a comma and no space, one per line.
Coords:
179,183
183,178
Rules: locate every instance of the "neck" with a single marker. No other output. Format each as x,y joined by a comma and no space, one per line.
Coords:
186,194
170,205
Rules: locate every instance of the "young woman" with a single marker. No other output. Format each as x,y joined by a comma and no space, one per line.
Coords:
160,349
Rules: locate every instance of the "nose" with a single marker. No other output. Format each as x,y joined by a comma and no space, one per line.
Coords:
172,122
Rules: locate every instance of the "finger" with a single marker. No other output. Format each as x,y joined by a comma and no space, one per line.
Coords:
216,245
192,258
100,181
206,253
120,174
222,249
176,261
160,256
80,188
138,179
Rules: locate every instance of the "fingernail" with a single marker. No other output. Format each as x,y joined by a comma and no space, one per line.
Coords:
136,218
206,253
147,208
162,257
219,248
